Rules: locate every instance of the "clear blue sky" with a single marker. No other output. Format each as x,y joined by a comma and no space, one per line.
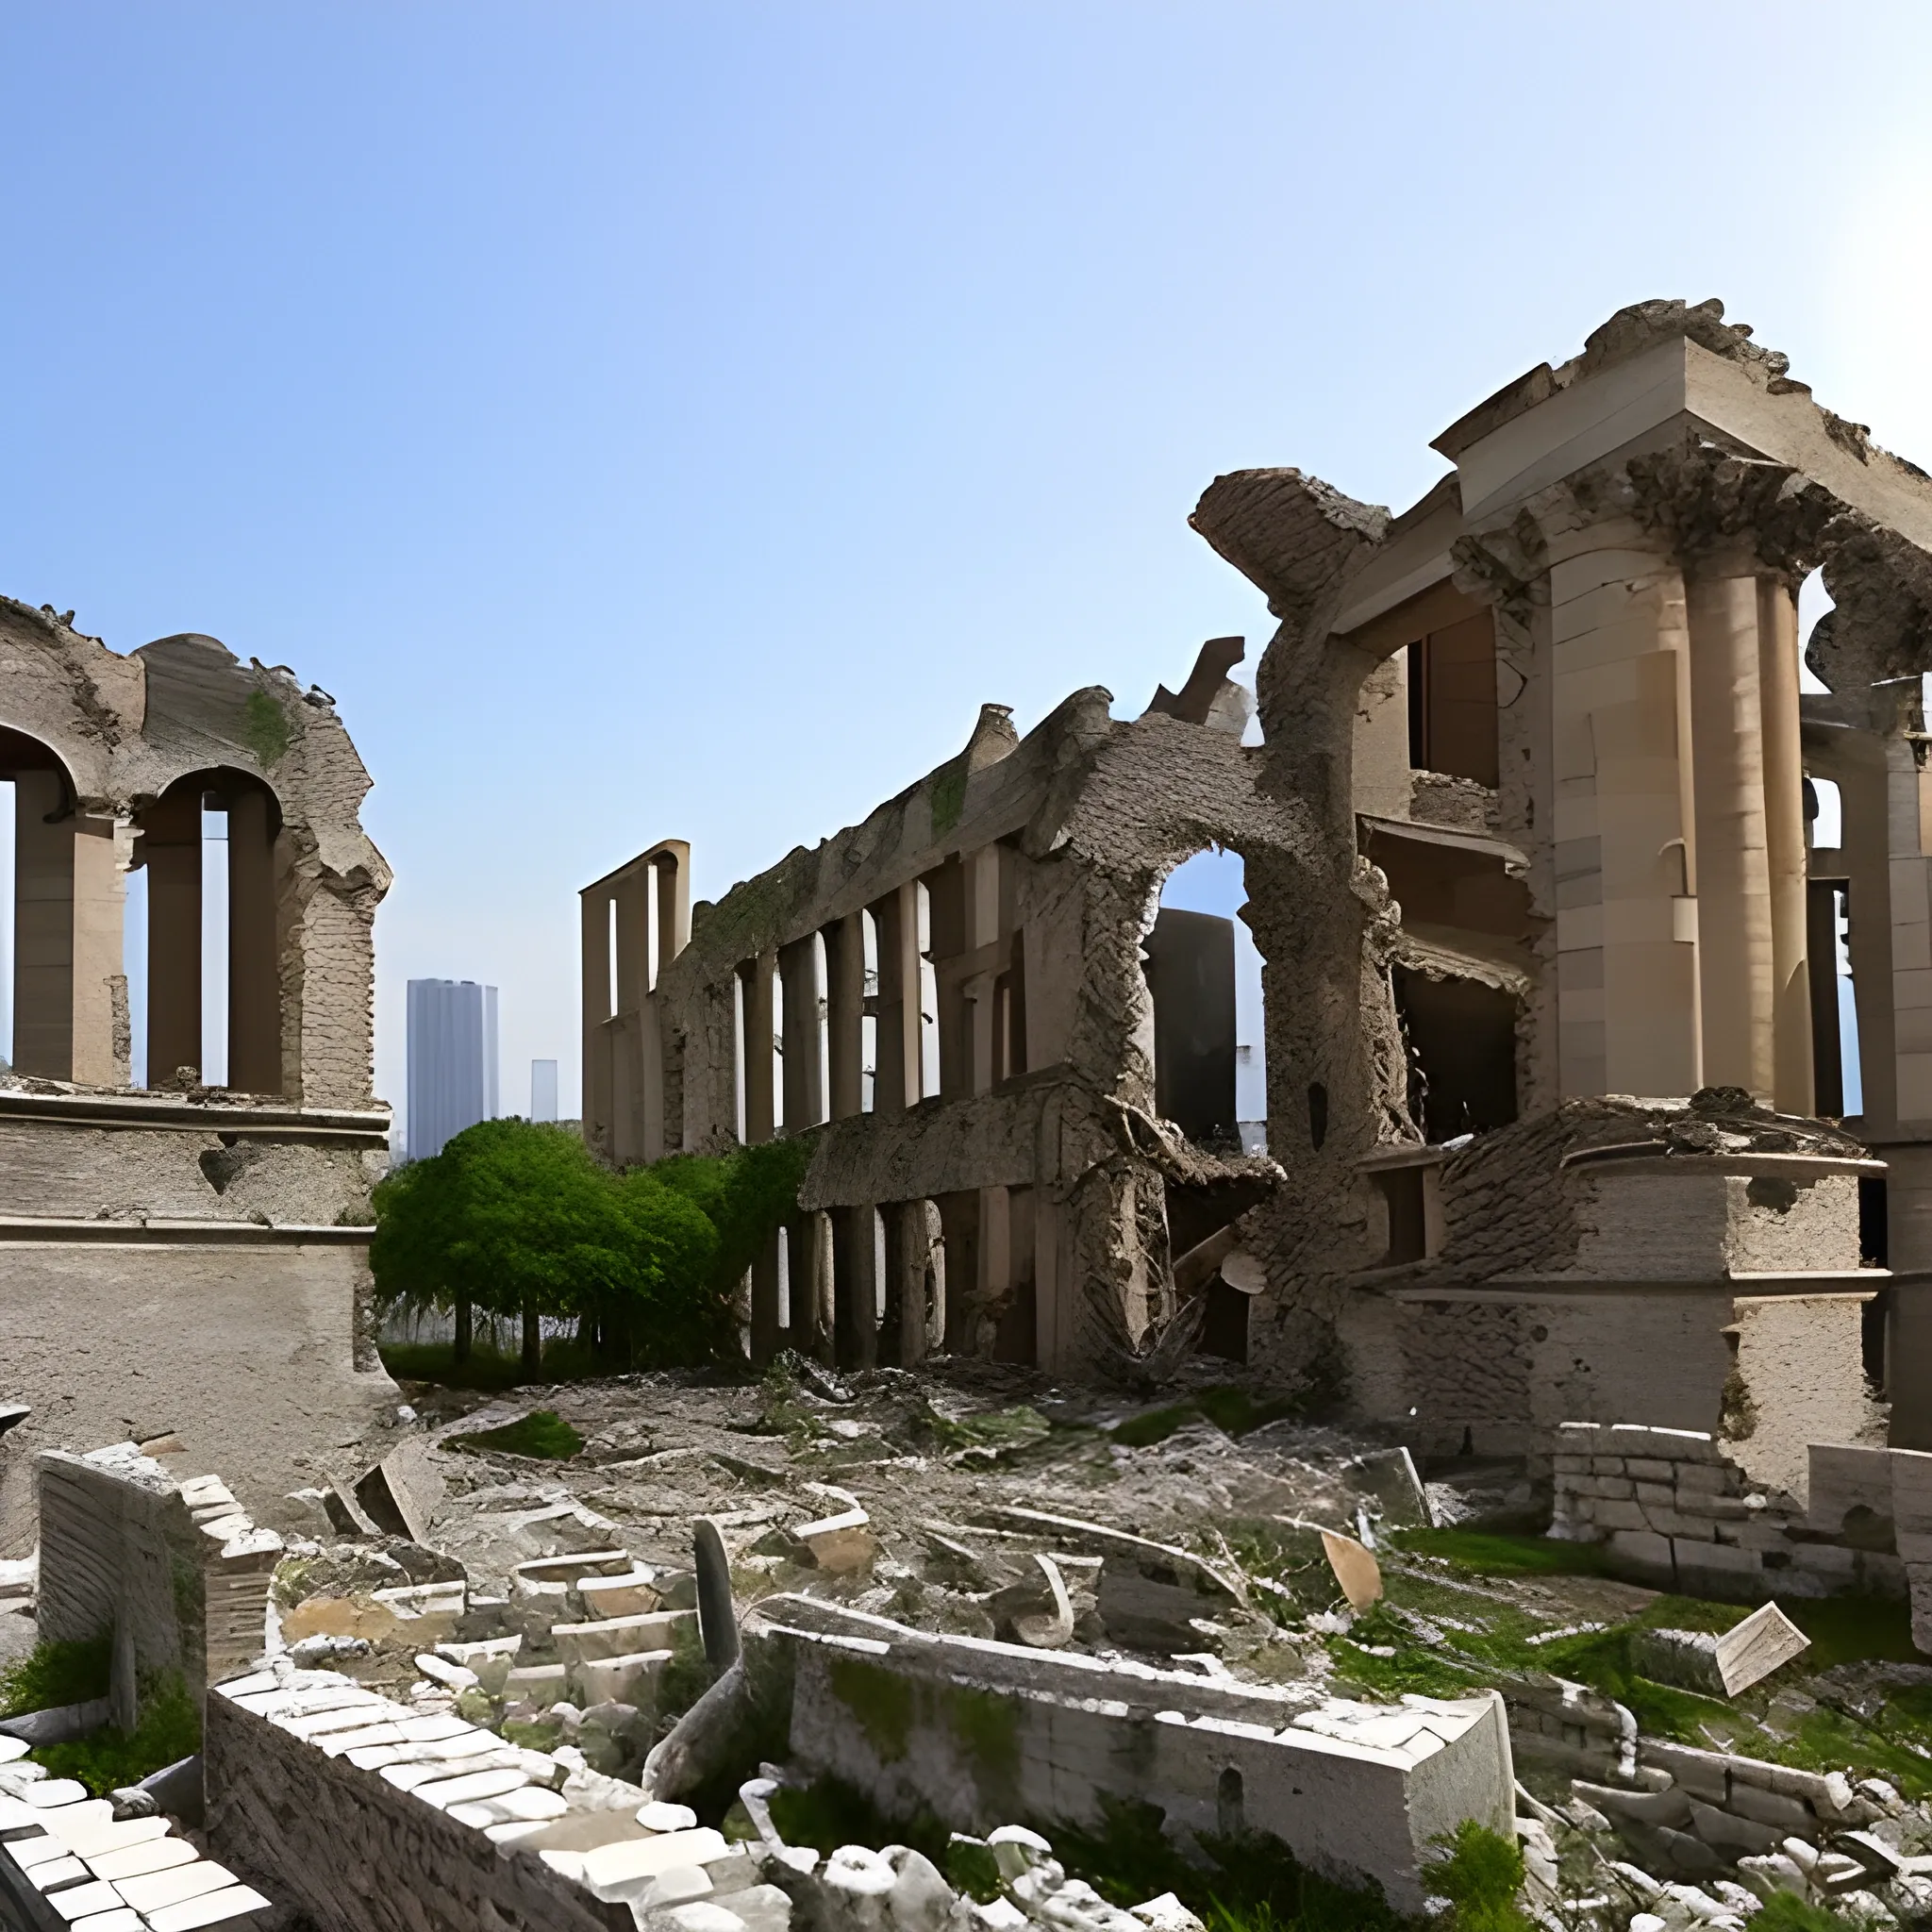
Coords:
656,421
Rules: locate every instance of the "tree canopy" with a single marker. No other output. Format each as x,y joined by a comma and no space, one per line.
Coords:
516,1218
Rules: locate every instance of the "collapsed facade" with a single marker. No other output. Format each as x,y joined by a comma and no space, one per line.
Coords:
184,1261
1557,1125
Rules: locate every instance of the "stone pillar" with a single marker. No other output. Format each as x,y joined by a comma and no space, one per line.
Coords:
798,974
171,843
1784,844
888,1090
959,1228
761,1100
855,1276
760,1104
255,992
982,938
845,1016
1629,1016
44,855
1738,984
101,851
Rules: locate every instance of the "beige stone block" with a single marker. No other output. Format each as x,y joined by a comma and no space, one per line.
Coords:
630,1679
627,1595
1911,987
1664,1494
1651,1469
1643,1553
1914,1086
1609,1513
615,1637
1579,928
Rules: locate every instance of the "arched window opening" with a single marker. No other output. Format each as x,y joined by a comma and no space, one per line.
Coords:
212,997
1203,970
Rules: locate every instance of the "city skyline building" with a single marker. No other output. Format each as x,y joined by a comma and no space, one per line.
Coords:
543,1091
453,1062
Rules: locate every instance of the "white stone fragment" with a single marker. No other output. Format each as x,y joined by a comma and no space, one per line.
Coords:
701,1917
148,1893
132,1861
51,1792
28,1852
118,1919
441,1671
12,1748
443,1793
610,1869
51,1873
211,1908
662,1816
84,1900
1167,1914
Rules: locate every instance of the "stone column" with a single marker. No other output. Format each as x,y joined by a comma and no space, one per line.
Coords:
982,938
760,1102
1628,1015
855,1276
43,928
798,976
101,851
255,992
171,843
845,1016
1738,984
1784,844
889,1088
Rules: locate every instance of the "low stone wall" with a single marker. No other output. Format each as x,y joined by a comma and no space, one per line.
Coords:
353,1851
176,1571
985,1733
1675,1511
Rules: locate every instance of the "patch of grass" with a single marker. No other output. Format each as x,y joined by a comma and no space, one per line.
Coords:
53,1674
168,1731
828,1813
1248,1884
544,1435
1232,1410
1787,1912
1480,1878
1000,1429
1495,1553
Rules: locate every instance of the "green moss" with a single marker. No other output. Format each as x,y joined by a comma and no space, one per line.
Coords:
544,1435
881,1700
1232,1410
829,1813
1480,1878
972,1867
1493,1553
168,1731
265,729
1002,1429
949,796
533,1736
1245,1883
53,1674
988,1729
1787,1912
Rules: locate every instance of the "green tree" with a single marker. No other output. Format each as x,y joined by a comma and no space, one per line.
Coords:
516,1218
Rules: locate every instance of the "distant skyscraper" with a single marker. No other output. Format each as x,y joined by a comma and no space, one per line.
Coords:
543,1090
452,1060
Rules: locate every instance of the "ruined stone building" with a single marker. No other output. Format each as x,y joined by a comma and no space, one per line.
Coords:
184,1260
1555,1090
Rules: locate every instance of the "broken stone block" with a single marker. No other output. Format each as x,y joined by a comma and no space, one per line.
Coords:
629,1679
617,1637
628,1593
576,1568
839,1544
401,1493
1355,1569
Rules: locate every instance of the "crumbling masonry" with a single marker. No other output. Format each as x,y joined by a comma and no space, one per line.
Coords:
184,1261
1556,1103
